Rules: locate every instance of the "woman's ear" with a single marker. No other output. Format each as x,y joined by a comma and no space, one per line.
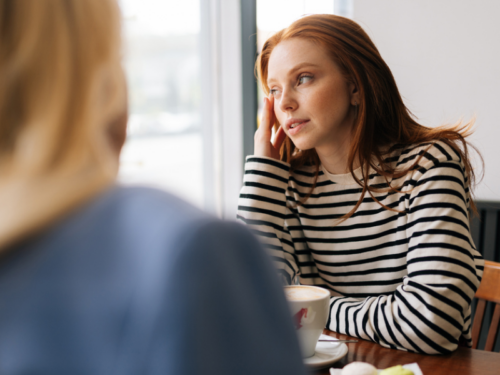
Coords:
117,131
354,92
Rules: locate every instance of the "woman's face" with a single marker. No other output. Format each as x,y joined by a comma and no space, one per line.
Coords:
313,102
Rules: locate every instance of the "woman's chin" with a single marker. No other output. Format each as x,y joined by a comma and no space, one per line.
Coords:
303,146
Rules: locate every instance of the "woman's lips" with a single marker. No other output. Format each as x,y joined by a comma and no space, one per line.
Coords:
297,126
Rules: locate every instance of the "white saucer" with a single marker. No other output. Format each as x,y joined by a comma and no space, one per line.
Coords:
326,354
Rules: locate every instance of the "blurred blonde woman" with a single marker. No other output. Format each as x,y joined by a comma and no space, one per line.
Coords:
101,279
61,89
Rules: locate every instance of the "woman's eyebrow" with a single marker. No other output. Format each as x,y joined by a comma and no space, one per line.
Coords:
302,65
295,68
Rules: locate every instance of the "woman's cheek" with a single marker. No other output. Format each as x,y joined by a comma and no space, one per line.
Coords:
280,116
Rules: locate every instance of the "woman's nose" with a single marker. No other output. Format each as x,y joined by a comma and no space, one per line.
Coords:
288,101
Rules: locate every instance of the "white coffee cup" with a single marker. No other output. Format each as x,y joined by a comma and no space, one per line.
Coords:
309,306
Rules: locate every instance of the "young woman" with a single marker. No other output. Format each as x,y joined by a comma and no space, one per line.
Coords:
97,278
355,196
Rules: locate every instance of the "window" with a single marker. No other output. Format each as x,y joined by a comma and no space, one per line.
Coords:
164,146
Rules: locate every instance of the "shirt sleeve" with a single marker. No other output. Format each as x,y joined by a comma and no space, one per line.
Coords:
431,309
263,207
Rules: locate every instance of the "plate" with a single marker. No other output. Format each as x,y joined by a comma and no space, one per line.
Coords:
326,354
411,366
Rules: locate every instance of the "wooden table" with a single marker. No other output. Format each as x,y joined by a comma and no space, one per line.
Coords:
463,361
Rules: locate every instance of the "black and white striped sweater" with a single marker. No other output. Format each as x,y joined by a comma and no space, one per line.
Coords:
403,279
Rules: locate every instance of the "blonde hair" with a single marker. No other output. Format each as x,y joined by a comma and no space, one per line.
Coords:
61,86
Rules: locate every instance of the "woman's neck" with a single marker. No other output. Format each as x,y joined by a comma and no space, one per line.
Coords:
335,158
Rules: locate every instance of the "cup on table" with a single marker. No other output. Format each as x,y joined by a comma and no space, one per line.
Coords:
309,307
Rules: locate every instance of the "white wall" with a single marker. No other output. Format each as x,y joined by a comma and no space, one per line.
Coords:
445,56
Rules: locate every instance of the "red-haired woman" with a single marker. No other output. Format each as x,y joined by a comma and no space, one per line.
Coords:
355,196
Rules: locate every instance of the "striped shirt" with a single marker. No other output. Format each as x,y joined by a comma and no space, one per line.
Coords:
404,278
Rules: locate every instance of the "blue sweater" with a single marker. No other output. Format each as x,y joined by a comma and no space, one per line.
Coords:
140,282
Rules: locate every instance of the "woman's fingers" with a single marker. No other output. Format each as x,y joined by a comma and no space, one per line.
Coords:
267,115
279,138
270,108
263,144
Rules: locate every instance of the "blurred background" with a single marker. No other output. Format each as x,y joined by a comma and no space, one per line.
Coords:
194,100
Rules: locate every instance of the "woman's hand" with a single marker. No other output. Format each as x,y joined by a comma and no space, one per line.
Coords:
263,145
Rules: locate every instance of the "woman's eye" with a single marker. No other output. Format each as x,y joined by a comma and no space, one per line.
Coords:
304,79
273,92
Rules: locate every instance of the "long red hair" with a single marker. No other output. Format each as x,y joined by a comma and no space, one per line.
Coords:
383,122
